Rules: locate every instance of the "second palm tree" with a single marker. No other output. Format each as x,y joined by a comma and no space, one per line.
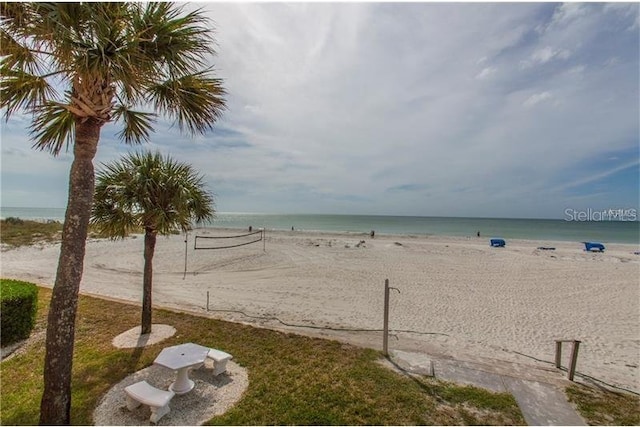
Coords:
150,192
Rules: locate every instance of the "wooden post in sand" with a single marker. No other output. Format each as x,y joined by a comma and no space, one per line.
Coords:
558,353
385,336
574,359
574,356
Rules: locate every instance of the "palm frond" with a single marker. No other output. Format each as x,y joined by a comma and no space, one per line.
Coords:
15,15
137,125
112,213
164,44
168,37
106,40
53,126
52,29
195,100
21,90
16,55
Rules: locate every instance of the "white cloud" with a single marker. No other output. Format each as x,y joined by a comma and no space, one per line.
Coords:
486,73
568,12
545,55
537,98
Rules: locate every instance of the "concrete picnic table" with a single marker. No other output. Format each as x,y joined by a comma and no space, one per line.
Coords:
181,358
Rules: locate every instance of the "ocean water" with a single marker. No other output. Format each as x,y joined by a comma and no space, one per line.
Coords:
533,229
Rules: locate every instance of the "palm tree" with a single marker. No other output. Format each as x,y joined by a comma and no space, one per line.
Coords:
147,191
113,62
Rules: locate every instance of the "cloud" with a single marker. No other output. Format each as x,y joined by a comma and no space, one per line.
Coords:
545,55
537,98
600,175
404,108
486,73
568,12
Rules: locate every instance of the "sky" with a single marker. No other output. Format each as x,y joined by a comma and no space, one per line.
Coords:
509,110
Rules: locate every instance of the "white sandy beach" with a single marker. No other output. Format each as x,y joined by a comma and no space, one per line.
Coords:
490,302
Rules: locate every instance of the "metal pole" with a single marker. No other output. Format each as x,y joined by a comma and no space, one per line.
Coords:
385,336
264,240
207,300
558,353
186,239
574,359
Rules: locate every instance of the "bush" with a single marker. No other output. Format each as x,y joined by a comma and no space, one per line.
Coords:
18,306
14,221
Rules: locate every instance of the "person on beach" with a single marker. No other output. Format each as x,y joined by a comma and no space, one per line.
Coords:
478,234
373,233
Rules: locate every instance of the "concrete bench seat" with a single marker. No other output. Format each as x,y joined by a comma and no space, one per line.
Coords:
157,400
220,359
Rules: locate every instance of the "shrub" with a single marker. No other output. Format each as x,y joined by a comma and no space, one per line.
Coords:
18,306
14,221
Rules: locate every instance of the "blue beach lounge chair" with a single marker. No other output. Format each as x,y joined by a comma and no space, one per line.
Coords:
593,247
497,243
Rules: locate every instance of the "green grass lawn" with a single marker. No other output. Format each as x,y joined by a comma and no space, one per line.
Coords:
292,379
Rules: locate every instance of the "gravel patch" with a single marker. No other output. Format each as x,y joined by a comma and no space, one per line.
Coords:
132,337
210,397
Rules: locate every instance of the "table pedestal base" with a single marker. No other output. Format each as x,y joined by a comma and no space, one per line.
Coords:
182,384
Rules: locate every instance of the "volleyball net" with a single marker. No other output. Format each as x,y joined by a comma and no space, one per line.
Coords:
226,242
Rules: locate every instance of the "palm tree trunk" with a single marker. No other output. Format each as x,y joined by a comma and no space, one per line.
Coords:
149,248
55,406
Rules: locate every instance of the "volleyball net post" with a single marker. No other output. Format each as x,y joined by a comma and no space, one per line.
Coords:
186,246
